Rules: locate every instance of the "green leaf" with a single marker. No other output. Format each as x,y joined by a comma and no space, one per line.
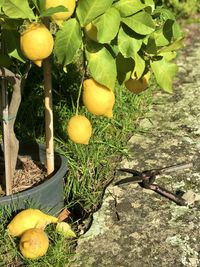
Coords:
18,9
88,10
164,72
114,47
41,4
141,23
10,24
168,29
11,39
151,47
102,66
150,3
5,60
139,67
1,3
129,7
67,42
173,46
169,55
159,38
129,44
125,67
107,25
164,13
52,10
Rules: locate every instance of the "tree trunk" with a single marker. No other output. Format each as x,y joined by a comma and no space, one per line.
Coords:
11,143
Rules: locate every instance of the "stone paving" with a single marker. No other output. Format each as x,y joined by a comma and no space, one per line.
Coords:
136,227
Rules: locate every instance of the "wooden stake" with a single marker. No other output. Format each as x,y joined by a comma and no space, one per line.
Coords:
6,137
48,116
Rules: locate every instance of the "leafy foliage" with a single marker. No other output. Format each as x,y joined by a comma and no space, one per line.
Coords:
139,31
17,9
67,41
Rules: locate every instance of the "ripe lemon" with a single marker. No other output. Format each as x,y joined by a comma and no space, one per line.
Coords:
98,99
137,86
91,31
34,243
59,17
36,43
79,129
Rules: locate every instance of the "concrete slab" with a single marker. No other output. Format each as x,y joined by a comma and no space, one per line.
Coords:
136,227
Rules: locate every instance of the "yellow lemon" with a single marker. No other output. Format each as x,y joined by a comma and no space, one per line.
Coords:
98,99
34,243
59,17
79,129
36,43
138,86
29,218
91,31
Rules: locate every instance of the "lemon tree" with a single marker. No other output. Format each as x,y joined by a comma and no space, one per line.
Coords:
138,31
119,41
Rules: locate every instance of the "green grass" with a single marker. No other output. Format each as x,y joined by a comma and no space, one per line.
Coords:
91,167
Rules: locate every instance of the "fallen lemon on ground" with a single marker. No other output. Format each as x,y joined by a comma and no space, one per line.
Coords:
138,86
60,17
98,99
29,218
36,42
79,129
34,243
91,31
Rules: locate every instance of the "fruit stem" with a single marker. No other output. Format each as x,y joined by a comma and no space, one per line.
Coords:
81,84
78,98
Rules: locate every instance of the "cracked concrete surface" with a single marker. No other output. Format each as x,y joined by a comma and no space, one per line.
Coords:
136,227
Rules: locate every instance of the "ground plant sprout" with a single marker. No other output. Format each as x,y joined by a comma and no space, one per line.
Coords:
122,41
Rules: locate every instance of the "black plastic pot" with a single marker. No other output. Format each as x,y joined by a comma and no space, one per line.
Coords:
47,196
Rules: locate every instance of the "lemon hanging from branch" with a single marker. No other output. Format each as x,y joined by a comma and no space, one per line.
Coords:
79,129
60,17
138,86
98,99
36,42
91,31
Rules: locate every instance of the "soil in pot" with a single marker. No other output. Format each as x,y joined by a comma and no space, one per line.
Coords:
28,173
32,186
